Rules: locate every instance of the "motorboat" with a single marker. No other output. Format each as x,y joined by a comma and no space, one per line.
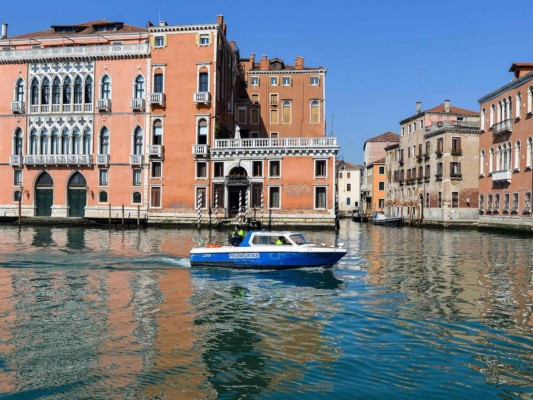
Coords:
267,250
382,219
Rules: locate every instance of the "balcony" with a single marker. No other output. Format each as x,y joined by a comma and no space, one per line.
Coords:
155,150
17,107
438,176
102,159
456,152
103,105
136,159
108,51
202,97
58,159
438,152
500,128
427,156
157,98
419,158
456,176
15,160
502,176
137,105
200,150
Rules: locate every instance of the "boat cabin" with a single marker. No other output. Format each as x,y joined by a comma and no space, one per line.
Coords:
255,238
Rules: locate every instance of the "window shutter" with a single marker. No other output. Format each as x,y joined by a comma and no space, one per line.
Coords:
165,40
211,38
152,41
197,39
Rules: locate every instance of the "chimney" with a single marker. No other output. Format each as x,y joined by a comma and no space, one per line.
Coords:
446,106
418,107
299,63
252,61
220,19
3,35
163,23
265,64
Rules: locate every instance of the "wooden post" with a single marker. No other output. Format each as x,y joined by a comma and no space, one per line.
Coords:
20,209
123,215
109,214
138,216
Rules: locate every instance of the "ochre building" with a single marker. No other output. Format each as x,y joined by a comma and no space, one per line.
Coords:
103,120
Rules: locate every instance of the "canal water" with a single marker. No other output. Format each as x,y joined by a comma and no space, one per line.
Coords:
408,313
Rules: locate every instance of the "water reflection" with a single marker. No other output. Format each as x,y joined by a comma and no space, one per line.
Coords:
118,314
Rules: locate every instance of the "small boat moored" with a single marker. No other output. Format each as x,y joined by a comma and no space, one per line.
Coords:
268,250
382,219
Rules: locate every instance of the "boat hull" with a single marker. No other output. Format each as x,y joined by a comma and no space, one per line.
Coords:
247,258
388,221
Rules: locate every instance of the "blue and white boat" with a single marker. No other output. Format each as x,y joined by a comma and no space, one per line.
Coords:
268,250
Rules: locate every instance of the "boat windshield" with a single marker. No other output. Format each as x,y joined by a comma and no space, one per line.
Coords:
299,239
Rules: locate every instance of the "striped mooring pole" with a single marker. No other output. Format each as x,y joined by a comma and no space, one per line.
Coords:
240,206
199,208
216,207
262,207
245,205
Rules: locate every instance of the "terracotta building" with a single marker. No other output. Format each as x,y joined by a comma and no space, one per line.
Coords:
506,152
431,173
167,122
374,151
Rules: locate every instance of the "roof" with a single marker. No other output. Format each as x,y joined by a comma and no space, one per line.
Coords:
385,137
341,164
380,161
86,28
518,65
453,110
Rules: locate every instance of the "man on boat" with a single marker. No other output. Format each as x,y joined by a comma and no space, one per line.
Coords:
281,240
237,235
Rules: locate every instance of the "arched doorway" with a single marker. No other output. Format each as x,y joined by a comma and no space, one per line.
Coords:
237,185
77,195
44,195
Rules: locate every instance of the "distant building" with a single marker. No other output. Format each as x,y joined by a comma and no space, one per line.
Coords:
431,173
349,187
374,150
506,152
375,187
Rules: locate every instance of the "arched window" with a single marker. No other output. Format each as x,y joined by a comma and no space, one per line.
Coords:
88,90
34,92
44,181
104,141
315,111
286,112
138,91
87,141
65,142
529,152
17,142
482,163
34,142
67,90
102,196
483,118
44,142
56,143
56,91
77,180
530,99
17,195
517,155
19,90
518,104
491,161
136,198
203,82
76,137
138,141
105,87
78,91
45,93
491,116
202,131
157,132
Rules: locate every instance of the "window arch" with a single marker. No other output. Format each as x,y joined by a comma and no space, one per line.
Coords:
55,148
202,131
529,152
56,91
45,139
315,111
286,112
77,180
87,141
102,196
67,90
17,142
491,115
518,104
105,87
44,180
157,132
491,161
530,100
34,92
482,163
138,87
19,90
517,155
483,117
88,90
34,142
136,198
78,90
104,140
76,141
45,92
138,141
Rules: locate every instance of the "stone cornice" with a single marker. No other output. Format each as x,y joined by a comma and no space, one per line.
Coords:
183,28
458,129
511,85
285,71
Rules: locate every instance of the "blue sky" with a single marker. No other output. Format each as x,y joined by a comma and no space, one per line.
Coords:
381,56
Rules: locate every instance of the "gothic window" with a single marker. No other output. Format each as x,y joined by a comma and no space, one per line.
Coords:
138,141
45,93
56,91
202,131
138,91
78,91
88,90
105,87
104,141
157,132
19,90
67,90
17,142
